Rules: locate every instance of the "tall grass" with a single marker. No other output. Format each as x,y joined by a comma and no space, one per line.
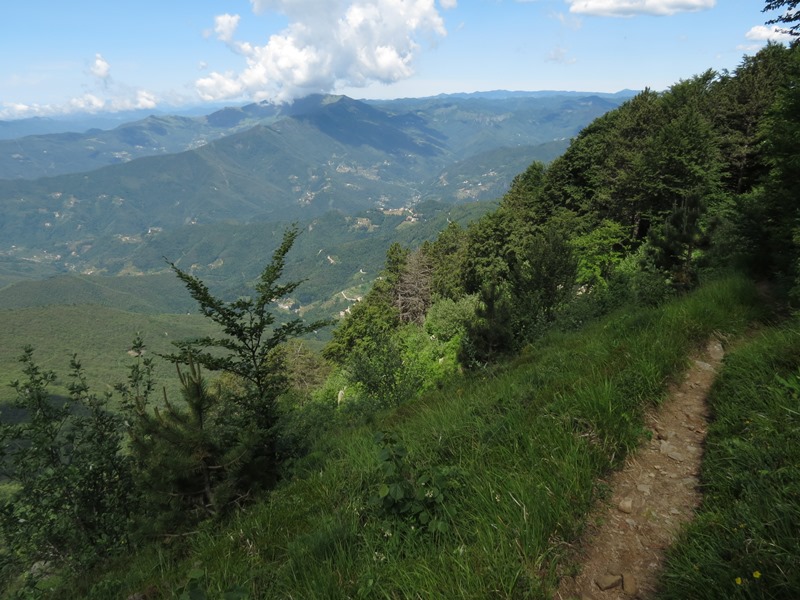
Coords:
745,542
521,448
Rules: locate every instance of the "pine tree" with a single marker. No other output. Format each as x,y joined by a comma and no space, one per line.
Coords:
251,346
185,465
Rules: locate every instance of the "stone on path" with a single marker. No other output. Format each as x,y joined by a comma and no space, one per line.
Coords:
629,584
606,582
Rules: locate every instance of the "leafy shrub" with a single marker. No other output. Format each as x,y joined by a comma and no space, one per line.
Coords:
416,501
379,368
447,319
73,495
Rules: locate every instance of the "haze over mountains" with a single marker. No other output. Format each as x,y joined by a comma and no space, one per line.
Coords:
111,196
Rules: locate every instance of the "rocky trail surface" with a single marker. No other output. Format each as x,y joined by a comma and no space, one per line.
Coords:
654,494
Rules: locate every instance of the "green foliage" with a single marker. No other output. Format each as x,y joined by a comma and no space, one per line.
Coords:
675,242
197,459
742,102
490,334
528,439
187,455
410,501
448,255
448,319
604,173
525,280
73,495
778,207
598,252
247,349
382,373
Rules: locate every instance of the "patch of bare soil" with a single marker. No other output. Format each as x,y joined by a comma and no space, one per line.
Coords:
654,494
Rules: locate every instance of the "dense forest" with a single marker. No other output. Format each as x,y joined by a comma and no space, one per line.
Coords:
283,472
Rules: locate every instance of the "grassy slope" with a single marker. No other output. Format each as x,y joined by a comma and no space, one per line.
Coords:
745,542
525,445
101,337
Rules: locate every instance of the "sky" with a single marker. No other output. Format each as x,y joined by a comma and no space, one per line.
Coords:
61,57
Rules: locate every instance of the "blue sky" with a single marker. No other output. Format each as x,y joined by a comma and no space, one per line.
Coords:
91,55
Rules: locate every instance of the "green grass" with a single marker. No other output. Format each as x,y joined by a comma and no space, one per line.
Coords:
523,447
745,542
101,337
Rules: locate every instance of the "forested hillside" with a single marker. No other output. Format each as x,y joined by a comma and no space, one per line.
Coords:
449,439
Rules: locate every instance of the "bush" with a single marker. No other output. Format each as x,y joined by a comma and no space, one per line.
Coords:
73,495
447,319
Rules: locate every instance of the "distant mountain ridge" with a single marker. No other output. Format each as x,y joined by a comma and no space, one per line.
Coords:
41,147
283,163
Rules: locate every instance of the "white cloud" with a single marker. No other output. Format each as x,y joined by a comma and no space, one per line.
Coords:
327,44
86,103
225,26
630,8
100,68
121,98
773,33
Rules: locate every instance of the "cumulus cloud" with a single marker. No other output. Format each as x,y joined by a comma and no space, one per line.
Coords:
630,8
100,68
327,44
772,33
225,26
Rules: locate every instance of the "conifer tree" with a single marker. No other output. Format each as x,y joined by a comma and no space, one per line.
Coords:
250,347
184,465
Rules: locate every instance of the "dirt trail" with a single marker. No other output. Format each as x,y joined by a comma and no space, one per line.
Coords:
652,496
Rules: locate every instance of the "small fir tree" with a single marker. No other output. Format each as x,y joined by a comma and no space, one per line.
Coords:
250,347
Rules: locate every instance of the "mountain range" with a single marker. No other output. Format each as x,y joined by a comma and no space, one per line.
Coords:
271,163
213,193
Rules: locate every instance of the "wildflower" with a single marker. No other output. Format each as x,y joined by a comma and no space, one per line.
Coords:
756,574
738,581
